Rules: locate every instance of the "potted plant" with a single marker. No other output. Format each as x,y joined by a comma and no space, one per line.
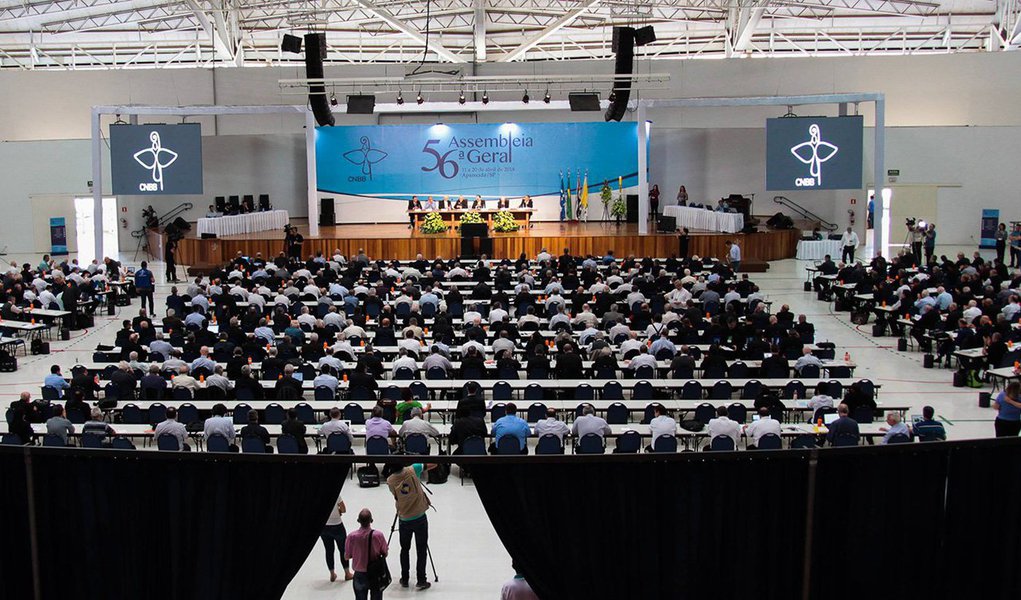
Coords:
504,222
433,223
606,195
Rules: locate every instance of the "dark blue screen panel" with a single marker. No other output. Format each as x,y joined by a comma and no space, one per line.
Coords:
148,160
821,153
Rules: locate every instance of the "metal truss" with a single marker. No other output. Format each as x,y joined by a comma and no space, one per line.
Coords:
108,34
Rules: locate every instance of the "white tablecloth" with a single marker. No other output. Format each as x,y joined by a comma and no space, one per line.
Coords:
817,250
707,220
238,224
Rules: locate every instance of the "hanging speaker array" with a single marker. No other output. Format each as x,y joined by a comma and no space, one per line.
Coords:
624,47
315,52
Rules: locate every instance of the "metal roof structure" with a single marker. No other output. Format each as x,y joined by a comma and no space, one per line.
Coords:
117,34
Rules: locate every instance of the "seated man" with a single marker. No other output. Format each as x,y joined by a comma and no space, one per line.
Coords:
588,422
511,425
661,424
220,424
173,428
551,425
335,425
253,429
723,425
756,429
929,429
806,359
843,426
894,427
416,424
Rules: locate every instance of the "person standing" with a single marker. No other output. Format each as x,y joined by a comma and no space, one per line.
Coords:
1015,246
412,504
170,257
683,240
144,283
654,202
1001,241
334,537
734,255
849,242
871,212
1008,406
362,547
682,196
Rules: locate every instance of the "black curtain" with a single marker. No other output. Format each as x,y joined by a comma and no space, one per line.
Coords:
121,524
677,527
16,556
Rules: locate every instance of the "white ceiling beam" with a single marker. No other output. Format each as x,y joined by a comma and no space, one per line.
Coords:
747,25
552,28
407,30
223,51
479,30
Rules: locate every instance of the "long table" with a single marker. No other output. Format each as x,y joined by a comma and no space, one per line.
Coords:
818,249
708,220
452,216
247,223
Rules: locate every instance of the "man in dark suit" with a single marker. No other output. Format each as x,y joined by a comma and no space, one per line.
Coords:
843,427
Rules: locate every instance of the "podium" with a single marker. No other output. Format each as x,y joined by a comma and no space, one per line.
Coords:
475,240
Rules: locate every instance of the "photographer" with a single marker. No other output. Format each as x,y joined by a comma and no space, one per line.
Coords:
412,504
915,234
930,243
292,242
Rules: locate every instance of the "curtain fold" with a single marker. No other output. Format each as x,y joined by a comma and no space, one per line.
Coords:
16,557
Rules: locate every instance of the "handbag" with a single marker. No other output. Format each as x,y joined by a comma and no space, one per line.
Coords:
377,571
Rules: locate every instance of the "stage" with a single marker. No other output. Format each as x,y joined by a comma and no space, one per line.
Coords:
393,241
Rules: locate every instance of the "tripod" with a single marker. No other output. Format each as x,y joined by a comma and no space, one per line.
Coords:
428,550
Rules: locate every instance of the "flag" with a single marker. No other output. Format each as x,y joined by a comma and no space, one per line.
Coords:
584,196
567,201
577,207
563,199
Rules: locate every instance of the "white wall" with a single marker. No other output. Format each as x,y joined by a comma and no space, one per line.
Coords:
951,118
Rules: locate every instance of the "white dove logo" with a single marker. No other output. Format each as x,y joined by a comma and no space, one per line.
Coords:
155,158
814,152
364,157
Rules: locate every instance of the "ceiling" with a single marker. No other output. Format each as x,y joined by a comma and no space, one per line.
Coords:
106,34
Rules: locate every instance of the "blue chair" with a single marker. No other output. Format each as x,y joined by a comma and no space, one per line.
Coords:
275,414
392,392
404,374
90,440
217,443
10,439
240,413
419,391
131,414
50,393
252,445
738,370
473,446
286,444
770,441
436,373
584,391
612,390
533,392
831,388
549,444
665,444
810,372
821,412
793,388
845,440
498,411
591,443
752,390
338,443
704,413
691,390
863,414
721,390
305,412
899,438
416,443
737,412
721,442
188,413
804,442
642,391
645,372
122,443
617,414
323,393
180,394
629,442
376,445
354,413
167,442
606,372
157,413
508,445
536,412
650,412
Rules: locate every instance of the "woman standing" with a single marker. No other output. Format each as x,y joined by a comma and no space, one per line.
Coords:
334,534
682,197
1008,417
654,201
1001,241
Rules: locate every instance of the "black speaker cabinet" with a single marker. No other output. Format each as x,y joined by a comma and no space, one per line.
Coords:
315,52
362,104
632,208
291,43
327,216
221,204
263,202
667,224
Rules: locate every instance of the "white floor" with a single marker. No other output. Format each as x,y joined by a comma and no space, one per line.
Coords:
470,560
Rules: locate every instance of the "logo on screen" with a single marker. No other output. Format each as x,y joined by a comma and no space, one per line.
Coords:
155,158
364,157
813,153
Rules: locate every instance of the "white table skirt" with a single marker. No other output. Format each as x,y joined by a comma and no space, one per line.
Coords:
818,249
707,220
249,223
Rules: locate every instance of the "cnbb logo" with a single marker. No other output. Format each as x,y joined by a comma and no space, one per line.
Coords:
148,187
805,182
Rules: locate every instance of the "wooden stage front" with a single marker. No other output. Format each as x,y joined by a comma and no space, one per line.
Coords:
392,241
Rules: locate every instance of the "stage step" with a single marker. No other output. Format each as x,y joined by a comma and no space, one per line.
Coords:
754,266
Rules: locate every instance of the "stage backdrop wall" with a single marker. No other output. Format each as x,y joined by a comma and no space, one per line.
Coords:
372,171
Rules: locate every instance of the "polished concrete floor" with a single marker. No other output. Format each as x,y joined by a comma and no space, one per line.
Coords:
470,560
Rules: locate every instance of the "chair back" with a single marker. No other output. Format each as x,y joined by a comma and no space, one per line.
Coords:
617,414
645,372
770,441
436,373
721,390
157,413
287,444
612,390
508,445
803,442
323,393
549,444
244,394
536,412
722,442
305,412
168,442
91,440
416,443
792,388
240,413
584,391
338,443
217,443
899,438
844,440
181,393
498,411
821,412
629,442
737,412
253,445
377,446
132,415
665,443
591,443
50,393
738,370
751,390
692,390
704,413
122,443
404,374
533,392
10,439
275,414
473,446
810,372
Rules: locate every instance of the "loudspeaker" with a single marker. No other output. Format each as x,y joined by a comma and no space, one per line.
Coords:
928,361
220,203
645,35
291,43
315,52
624,46
808,286
667,224
209,236
250,199
362,104
902,345
233,205
583,101
326,214
983,399
263,202
181,224
632,208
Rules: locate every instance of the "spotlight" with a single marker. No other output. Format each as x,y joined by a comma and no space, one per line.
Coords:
419,98
613,96
400,98
485,97
546,98
333,99
525,98
461,99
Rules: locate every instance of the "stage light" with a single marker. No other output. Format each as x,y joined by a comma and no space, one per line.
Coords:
461,99
333,99
485,97
400,98
546,98
613,96
419,98
525,98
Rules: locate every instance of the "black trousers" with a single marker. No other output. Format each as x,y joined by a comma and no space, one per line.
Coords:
171,270
847,254
146,294
1001,247
419,529
1015,257
333,537
1006,428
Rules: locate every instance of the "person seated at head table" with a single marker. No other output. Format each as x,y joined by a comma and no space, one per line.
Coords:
430,204
526,202
213,213
479,203
445,203
503,203
461,203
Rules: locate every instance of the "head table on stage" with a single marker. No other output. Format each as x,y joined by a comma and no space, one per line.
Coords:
706,220
247,223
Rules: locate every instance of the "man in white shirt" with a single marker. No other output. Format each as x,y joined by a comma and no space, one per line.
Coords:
588,422
416,424
404,361
436,359
335,425
722,425
586,316
972,312
326,378
660,425
734,255
806,358
173,428
551,426
849,243
765,424
630,344
217,379
678,297
542,256
644,359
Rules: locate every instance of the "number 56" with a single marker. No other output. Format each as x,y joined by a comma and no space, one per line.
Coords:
442,164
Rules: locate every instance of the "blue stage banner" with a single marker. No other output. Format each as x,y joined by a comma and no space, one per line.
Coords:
58,236
814,153
990,223
509,159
